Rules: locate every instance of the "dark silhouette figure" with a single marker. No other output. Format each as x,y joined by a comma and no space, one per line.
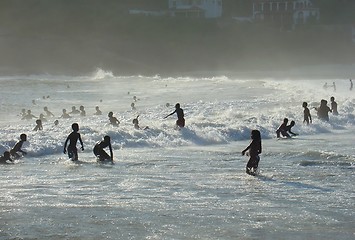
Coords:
323,110
136,124
307,118
334,106
254,151
99,151
133,107
288,129
73,139
180,122
56,122
82,111
38,125
113,120
5,158
65,114
17,148
282,129
98,111
74,110
28,116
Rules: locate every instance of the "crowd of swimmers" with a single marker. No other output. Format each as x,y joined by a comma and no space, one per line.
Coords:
254,148
70,145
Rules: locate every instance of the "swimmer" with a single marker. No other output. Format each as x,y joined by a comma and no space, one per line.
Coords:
18,147
113,120
73,139
180,122
99,151
254,150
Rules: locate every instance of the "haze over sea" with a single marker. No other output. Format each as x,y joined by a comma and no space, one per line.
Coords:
171,184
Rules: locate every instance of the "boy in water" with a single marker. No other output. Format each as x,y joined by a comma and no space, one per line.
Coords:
282,129
180,122
113,120
5,158
254,151
98,111
17,148
334,106
307,118
288,129
73,138
48,113
99,151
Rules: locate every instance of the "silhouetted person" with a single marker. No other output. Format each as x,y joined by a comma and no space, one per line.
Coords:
136,124
180,114
74,110
282,129
307,118
113,120
56,122
288,129
323,110
82,111
65,114
38,125
133,107
5,158
28,116
73,139
17,148
99,151
254,151
334,106
98,111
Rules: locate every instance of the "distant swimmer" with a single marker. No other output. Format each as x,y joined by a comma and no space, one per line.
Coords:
323,110
38,125
82,111
42,118
334,106
28,115
113,120
65,114
282,129
98,111
325,86
73,139
180,122
351,84
136,124
254,151
99,151
334,87
23,113
307,118
133,107
74,110
18,147
56,122
47,112
6,158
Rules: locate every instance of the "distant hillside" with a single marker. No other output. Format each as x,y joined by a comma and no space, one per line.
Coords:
74,37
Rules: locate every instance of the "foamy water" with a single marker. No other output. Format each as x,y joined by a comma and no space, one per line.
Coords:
169,184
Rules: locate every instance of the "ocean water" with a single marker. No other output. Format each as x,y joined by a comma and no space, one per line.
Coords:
177,184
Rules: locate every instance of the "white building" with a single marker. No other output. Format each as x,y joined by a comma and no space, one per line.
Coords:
196,8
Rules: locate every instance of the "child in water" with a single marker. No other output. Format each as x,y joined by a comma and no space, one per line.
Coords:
73,138
307,118
254,151
17,148
334,106
99,151
113,120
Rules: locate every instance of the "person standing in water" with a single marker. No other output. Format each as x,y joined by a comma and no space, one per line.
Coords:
113,120
282,129
73,139
334,106
351,84
254,151
180,122
307,118
323,110
99,151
